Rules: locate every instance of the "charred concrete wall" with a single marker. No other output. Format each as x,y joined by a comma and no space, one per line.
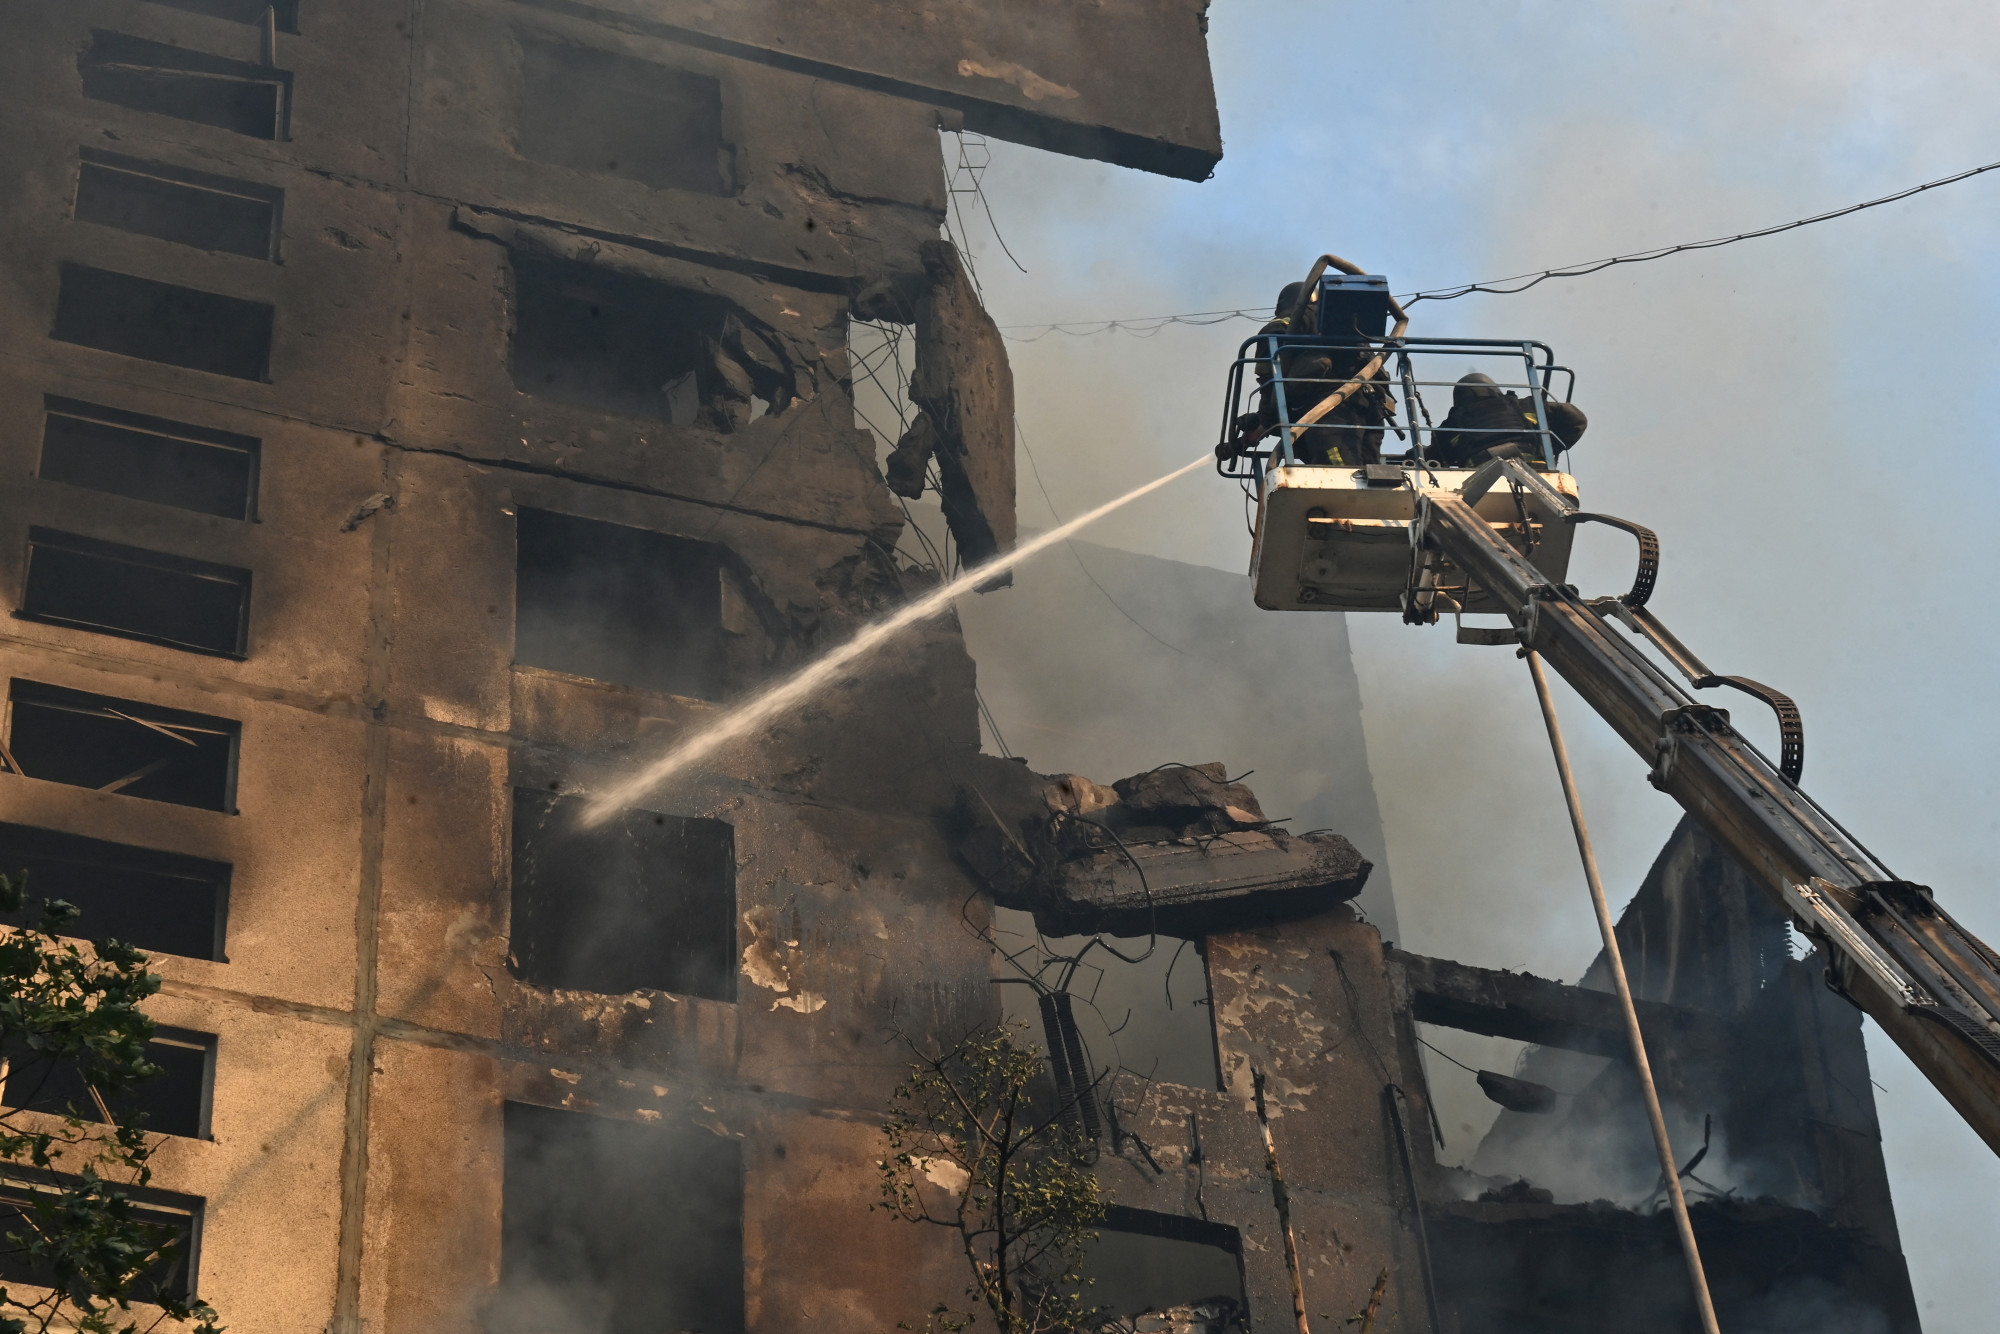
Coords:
372,275
415,414
1764,1078
1299,1016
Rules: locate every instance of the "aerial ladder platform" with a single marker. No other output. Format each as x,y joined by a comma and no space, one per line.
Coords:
1478,516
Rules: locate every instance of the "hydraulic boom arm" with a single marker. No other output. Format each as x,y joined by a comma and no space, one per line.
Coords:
1932,986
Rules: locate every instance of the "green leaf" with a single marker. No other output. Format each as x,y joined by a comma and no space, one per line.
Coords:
62,1005
964,1132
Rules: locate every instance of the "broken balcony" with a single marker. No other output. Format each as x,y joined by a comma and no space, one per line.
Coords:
1179,850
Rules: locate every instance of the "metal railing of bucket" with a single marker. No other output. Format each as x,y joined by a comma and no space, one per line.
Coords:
1267,413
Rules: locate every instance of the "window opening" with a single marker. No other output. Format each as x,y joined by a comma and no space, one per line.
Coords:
170,80
121,745
162,902
647,900
189,207
1146,1014
285,12
175,1102
154,321
150,458
618,1226
618,604
1145,1261
598,112
178,1218
136,594
606,340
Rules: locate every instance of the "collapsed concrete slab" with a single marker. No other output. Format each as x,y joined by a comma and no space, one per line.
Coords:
963,391
1549,1014
1179,850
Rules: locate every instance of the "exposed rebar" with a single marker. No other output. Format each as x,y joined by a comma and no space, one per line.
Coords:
1396,1101
1367,1317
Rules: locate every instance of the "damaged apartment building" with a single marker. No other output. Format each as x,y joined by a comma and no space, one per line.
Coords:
419,413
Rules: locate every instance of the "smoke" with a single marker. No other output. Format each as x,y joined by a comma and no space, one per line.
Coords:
529,1305
614,1227
1802,419
772,702
1809,1306
1598,1145
1107,663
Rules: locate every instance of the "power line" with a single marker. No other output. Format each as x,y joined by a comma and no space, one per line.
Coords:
1524,281
1142,326
1147,325
1453,1059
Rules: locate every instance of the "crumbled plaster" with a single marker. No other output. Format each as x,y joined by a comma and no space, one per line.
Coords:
1032,85
943,1173
773,957
1265,1020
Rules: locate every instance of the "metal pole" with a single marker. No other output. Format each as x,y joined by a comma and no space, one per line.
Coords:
1396,1100
1697,1279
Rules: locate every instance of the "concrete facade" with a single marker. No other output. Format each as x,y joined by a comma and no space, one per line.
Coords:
477,215
369,1032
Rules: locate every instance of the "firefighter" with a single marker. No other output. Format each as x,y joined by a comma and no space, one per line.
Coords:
1484,418
1351,434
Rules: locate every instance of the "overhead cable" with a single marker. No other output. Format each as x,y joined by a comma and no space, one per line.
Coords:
1522,282
1142,326
1147,325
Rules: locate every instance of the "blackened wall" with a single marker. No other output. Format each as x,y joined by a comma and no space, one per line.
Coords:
407,230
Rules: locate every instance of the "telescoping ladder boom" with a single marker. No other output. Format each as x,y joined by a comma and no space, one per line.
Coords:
1932,986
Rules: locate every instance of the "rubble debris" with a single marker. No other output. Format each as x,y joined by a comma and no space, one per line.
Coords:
1178,849
1212,1315
911,457
965,390
701,319
1739,1029
1182,799
1517,1192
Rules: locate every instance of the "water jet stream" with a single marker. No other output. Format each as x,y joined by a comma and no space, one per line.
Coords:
767,704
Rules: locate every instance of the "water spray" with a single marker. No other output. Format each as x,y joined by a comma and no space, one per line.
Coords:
773,701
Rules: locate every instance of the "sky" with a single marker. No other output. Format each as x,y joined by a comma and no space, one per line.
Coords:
1805,420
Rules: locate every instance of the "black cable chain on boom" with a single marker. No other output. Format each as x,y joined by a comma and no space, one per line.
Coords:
1791,727
1649,554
